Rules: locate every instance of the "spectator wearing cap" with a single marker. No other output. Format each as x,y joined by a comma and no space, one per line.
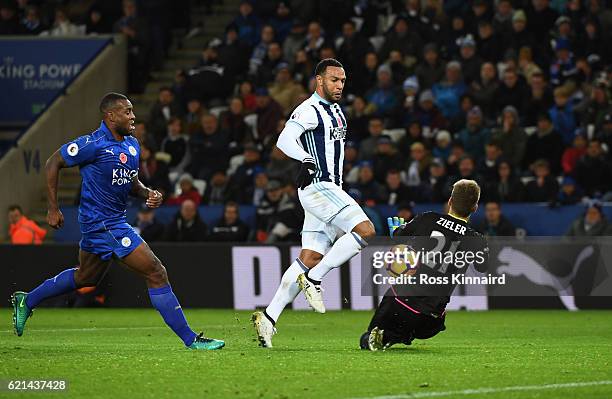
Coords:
367,148
242,182
164,108
511,91
431,69
593,171
433,188
187,225
402,38
269,112
147,225
230,228
358,119
494,222
411,88
570,193
442,145
563,67
572,154
384,97
507,187
448,92
353,46
511,137
428,115
592,223
418,166
487,167
545,143
279,216
484,89
351,161
396,192
187,192
489,42
372,192
520,36
281,21
470,61
475,135
564,30
385,158
544,188
539,99
562,115
23,230
248,24
209,148
216,189
285,90
176,144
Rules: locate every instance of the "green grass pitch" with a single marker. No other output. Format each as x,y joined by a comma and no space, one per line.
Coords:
130,354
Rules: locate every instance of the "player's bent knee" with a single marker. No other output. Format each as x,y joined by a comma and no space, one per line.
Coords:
310,258
365,229
158,276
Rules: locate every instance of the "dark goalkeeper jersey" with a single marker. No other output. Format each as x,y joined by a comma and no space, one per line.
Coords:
448,246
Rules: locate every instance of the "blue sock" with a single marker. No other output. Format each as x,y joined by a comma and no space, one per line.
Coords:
58,285
164,300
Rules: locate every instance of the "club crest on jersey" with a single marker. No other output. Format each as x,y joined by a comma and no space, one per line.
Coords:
73,149
126,242
123,157
337,133
132,150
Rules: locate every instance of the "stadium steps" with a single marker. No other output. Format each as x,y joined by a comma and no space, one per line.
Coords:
183,54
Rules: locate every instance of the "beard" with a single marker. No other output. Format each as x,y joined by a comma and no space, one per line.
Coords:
329,95
124,131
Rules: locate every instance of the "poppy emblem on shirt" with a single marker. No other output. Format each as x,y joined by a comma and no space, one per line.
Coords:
132,150
123,158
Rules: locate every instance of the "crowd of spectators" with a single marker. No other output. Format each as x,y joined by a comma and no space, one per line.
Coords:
513,94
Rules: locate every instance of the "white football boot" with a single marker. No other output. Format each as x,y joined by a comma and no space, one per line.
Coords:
264,328
375,340
312,292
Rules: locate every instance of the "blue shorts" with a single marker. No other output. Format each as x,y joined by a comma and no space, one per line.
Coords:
119,239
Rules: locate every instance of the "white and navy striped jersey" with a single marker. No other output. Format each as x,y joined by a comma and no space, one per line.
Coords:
323,137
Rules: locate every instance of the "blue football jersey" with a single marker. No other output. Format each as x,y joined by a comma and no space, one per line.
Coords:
107,167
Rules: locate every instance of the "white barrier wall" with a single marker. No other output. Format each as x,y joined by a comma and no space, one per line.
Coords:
22,174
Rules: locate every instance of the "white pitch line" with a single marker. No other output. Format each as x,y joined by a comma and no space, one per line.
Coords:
479,391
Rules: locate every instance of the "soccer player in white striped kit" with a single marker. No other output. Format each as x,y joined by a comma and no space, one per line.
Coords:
335,227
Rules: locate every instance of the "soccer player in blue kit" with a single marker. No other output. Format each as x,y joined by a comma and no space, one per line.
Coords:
108,160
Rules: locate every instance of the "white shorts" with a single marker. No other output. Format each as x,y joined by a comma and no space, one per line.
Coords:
329,212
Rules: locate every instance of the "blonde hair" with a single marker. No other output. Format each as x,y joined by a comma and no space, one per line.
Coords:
464,197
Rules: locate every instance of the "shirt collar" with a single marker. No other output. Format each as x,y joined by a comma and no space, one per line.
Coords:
458,217
107,133
318,97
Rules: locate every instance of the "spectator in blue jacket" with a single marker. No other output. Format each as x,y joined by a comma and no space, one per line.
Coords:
384,96
475,135
562,116
248,24
448,92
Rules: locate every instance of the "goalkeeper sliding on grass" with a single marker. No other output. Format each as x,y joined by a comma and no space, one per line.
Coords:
418,311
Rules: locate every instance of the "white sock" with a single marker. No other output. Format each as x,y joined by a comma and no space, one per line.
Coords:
343,249
287,290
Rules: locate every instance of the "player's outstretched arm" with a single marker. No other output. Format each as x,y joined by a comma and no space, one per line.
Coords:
55,162
153,197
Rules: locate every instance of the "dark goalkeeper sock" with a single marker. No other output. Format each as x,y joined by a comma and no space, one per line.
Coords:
164,300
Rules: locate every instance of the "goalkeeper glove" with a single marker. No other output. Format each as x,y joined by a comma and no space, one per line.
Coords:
306,173
394,223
